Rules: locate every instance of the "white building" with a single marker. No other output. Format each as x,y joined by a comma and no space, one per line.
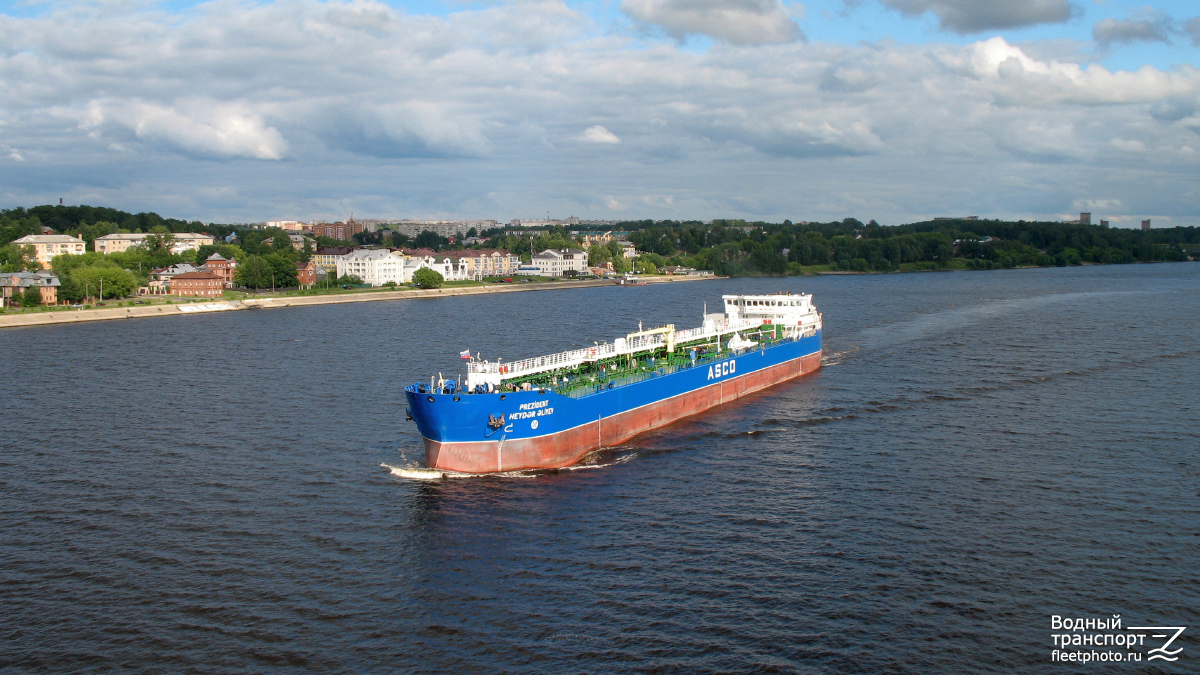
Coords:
561,262
46,246
449,268
375,267
190,241
121,242
118,243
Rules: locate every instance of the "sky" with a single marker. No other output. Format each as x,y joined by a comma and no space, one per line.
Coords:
893,110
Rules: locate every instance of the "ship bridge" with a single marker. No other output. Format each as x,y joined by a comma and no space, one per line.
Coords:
795,316
775,308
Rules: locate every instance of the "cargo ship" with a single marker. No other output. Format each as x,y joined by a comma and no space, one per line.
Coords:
548,412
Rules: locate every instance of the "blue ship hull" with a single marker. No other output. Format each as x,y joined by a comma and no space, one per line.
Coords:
545,429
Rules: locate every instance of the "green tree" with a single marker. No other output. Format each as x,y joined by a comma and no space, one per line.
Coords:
118,283
159,243
282,269
643,265
598,255
32,297
427,278
282,243
430,239
70,290
228,251
253,272
615,250
18,259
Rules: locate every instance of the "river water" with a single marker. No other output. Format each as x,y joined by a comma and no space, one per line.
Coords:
981,452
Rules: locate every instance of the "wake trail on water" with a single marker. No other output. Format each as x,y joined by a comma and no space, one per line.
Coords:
918,328
874,406
836,358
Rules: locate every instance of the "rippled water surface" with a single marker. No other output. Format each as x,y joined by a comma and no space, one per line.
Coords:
980,452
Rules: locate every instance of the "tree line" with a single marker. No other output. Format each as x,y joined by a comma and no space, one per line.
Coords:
266,257
738,248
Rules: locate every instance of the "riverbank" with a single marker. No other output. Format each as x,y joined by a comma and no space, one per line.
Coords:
184,309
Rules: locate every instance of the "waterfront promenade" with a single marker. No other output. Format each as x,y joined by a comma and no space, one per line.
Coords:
184,309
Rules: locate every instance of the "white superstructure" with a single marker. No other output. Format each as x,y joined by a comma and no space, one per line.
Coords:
742,312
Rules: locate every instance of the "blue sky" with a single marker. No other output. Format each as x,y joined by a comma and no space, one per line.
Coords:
887,109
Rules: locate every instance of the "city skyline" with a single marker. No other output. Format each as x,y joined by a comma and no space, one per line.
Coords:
893,110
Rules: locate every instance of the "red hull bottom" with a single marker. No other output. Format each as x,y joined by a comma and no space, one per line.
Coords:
567,447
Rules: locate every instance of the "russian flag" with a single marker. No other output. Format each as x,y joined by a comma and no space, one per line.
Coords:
464,354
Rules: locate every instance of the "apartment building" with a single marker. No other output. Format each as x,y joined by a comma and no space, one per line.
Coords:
46,246
13,283
561,262
375,267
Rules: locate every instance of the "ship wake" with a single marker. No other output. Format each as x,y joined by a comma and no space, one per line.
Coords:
593,460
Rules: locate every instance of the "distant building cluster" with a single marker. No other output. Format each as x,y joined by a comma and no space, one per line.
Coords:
378,267
443,228
1085,218
339,230
119,243
46,246
542,222
186,280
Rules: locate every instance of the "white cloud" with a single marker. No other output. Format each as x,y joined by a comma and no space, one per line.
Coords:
404,115
598,134
736,21
973,16
1017,79
200,127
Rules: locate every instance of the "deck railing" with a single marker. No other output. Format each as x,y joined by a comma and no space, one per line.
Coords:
634,345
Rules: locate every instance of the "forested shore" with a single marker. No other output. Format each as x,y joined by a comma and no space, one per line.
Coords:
726,247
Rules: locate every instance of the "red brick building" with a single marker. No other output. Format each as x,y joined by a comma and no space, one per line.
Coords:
342,231
197,284
222,267
306,274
